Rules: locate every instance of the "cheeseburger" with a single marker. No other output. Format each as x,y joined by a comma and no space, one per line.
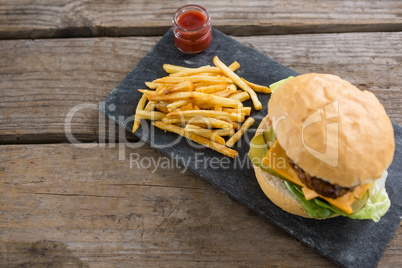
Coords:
323,149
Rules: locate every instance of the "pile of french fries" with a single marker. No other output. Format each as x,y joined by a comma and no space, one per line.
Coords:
202,104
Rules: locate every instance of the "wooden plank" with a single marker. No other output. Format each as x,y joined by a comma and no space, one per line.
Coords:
64,205
39,19
42,80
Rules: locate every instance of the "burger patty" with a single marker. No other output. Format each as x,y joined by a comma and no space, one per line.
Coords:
320,186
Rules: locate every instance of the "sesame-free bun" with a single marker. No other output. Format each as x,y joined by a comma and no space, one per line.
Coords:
274,188
331,129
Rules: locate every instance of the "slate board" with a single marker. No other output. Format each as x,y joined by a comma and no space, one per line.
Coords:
348,243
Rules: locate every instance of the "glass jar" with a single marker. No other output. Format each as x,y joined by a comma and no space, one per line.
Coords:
192,29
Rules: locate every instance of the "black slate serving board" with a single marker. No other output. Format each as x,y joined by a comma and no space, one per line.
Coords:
348,243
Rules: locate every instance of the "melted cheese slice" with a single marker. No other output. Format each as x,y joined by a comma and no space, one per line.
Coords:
277,160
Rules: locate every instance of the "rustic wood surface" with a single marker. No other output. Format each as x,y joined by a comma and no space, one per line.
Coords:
67,18
87,201
62,205
64,73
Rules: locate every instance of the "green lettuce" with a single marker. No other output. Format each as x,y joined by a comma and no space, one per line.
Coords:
276,85
377,204
312,208
373,205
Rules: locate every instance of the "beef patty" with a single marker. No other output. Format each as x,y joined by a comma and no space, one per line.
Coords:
320,186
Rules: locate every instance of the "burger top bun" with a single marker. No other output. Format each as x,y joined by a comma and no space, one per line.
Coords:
331,129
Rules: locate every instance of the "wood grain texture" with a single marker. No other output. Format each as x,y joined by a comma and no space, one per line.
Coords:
67,18
43,80
64,206
86,204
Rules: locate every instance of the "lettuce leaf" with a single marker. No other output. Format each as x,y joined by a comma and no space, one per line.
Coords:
312,208
276,85
377,204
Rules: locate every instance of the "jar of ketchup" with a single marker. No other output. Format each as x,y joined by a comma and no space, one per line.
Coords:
192,29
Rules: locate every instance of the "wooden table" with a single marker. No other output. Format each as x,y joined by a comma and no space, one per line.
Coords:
63,205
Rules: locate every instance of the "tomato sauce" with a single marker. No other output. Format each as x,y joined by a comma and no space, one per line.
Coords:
192,29
191,20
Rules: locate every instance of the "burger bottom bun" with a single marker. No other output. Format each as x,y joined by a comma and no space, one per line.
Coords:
276,190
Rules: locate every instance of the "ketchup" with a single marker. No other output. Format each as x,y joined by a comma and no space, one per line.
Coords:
192,29
191,20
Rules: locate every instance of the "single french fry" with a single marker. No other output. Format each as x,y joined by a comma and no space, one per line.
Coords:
208,121
204,121
150,106
243,111
224,93
234,66
224,131
201,140
216,100
194,79
246,125
151,115
186,107
189,72
169,68
206,133
236,79
177,104
183,121
211,88
232,88
241,96
220,132
201,84
161,89
183,86
171,97
207,74
173,120
147,92
205,105
257,88
234,124
162,108
152,85
140,106
205,113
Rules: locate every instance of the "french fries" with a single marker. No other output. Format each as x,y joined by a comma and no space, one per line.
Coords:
199,139
194,79
206,133
140,106
257,88
188,72
150,115
171,69
246,125
202,104
205,113
236,79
